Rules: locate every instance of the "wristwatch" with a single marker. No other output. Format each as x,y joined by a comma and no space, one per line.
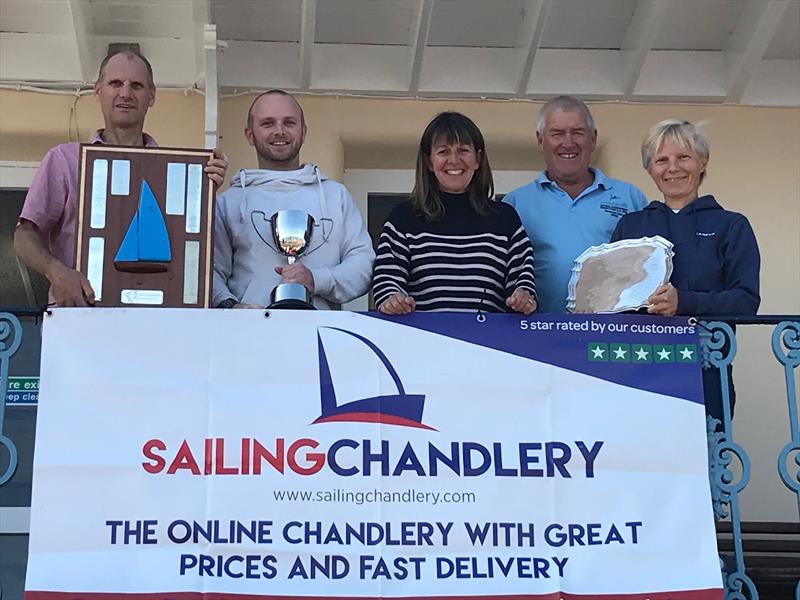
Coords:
228,303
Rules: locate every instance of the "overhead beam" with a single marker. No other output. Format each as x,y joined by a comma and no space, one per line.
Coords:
83,39
419,41
756,27
531,35
639,39
201,16
308,22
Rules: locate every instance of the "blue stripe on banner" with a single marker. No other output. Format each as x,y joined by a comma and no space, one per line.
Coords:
656,354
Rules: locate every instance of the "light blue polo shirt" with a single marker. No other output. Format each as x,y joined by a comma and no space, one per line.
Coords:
561,228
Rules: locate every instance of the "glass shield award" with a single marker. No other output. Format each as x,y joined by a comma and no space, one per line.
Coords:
291,232
620,276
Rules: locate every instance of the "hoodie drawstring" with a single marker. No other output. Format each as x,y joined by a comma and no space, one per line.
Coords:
323,208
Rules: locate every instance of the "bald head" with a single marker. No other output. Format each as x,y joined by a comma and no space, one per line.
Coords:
276,129
275,92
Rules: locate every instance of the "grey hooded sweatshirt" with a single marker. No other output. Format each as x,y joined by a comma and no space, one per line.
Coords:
339,255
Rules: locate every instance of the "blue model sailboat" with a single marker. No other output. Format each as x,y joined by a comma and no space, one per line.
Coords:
145,247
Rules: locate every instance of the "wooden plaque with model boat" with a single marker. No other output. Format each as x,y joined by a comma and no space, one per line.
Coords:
145,218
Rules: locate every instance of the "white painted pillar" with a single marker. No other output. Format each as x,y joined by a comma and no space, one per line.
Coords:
212,88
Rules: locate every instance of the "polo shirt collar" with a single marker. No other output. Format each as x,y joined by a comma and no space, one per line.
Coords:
600,180
97,138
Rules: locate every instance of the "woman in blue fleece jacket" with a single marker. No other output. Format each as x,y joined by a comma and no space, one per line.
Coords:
716,263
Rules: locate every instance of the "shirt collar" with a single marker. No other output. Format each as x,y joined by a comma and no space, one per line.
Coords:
600,180
97,138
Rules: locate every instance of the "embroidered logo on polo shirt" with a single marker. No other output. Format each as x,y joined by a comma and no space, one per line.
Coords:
615,210
704,234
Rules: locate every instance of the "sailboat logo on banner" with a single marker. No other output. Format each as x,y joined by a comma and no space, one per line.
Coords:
145,247
390,409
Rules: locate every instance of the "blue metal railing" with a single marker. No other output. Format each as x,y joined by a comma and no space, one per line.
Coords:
786,348
719,348
10,340
718,342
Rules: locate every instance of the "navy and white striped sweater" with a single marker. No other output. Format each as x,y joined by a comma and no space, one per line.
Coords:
464,262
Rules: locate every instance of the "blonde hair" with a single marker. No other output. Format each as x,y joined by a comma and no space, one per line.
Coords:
683,133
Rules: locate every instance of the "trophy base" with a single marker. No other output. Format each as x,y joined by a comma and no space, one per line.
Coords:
290,296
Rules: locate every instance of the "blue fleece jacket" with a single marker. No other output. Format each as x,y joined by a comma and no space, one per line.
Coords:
716,263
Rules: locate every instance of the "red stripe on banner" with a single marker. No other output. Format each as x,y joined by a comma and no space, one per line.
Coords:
368,417
709,594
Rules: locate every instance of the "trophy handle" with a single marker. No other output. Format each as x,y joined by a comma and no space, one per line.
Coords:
326,225
258,233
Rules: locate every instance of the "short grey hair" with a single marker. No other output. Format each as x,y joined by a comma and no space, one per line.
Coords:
564,103
131,51
683,133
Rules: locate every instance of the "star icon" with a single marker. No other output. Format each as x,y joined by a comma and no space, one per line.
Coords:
620,352
686,354
641,354
598,352
663,354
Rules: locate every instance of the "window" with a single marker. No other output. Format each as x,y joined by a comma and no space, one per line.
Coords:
21,287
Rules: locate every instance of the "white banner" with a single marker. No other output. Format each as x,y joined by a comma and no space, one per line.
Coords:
207,454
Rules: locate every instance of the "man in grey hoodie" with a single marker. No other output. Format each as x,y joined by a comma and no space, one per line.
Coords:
336,268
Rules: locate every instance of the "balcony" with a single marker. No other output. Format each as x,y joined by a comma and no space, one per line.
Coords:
761,557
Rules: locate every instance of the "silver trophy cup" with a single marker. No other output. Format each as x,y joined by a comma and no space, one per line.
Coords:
291,231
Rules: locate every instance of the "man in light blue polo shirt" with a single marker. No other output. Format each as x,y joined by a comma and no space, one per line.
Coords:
569,206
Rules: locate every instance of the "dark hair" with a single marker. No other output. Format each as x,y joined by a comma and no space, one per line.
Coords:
452,128
130,52
274,92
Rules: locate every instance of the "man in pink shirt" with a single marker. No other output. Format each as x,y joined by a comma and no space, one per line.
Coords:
46,233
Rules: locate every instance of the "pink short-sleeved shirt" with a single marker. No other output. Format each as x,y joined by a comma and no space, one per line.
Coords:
52,199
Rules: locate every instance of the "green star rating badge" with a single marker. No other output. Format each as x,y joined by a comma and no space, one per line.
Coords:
685,353
642,353
664,353
598,352
620,352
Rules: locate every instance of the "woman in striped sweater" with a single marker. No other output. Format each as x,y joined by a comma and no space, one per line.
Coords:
452,247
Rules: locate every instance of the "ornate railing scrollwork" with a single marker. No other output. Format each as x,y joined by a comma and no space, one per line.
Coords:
718,472
786,348
10,340
718,346
787,335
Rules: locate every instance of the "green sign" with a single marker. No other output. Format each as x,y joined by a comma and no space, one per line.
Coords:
22,391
